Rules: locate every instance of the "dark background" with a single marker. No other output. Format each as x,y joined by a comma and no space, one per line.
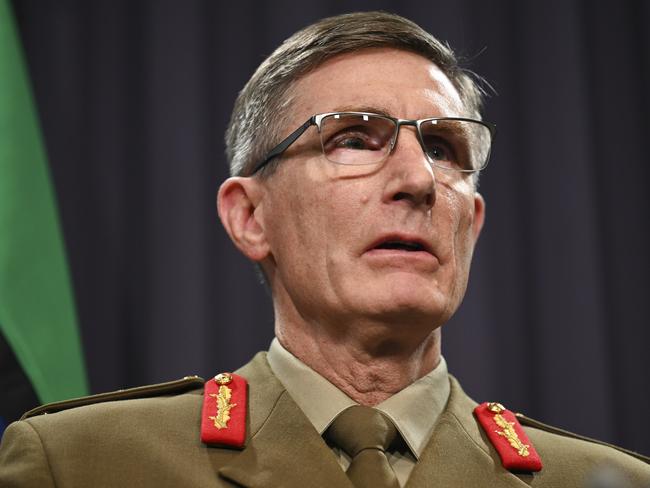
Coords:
134,98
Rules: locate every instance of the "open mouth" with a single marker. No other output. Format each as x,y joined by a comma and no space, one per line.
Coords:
403,250
401,246
397,242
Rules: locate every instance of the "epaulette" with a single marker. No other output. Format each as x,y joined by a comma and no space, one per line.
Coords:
170,387
223,416
507,436
524,420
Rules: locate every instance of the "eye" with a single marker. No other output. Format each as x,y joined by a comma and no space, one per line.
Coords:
439,149
438,152
449,142
354,140
351,143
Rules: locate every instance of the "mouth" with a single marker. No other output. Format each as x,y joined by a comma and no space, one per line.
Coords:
401,243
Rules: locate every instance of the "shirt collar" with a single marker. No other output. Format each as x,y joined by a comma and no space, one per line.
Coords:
414,410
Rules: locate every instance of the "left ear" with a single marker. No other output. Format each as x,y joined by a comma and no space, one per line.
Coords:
238,203
479,215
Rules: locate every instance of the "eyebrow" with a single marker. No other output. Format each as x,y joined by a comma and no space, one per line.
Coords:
364,108
455,131
373,109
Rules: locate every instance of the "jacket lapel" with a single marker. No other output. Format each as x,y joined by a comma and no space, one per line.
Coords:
283,448
457,454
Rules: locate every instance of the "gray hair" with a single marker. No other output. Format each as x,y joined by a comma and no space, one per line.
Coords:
257,119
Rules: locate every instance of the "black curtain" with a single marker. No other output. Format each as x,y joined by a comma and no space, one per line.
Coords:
134,98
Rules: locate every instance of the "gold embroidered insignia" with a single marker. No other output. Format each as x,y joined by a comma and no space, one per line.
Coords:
510,441
511,435
223,402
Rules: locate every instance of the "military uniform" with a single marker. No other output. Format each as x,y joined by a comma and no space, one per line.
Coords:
150,437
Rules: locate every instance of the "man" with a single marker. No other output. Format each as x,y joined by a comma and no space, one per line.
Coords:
355,150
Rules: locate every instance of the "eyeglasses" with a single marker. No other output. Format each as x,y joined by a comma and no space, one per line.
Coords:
360,138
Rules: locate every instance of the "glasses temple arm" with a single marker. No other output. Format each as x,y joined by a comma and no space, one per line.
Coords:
280,148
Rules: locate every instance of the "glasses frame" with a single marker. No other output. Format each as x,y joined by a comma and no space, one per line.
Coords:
317,120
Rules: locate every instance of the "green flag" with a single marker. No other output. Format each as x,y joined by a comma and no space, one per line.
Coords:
37,313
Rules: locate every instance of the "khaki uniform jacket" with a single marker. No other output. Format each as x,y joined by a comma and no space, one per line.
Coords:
153,440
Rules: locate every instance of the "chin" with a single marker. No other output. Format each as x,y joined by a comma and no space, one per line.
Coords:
404,303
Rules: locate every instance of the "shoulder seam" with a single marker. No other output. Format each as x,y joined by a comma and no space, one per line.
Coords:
527,421
184,384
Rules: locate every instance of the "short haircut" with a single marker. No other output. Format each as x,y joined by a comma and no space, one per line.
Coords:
258,117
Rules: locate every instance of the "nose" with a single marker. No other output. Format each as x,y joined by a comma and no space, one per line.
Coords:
409,175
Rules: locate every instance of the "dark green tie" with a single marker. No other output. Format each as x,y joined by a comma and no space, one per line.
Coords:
364,434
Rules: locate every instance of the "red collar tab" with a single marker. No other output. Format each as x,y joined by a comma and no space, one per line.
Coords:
223,419
508,438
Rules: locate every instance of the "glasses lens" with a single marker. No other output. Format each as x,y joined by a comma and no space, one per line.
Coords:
456,144
356,138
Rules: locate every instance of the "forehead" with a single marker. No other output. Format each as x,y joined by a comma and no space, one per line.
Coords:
402,83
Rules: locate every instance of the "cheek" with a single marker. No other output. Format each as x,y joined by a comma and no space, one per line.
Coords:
450,212
464,238
288,218
459,220
308,223
341,227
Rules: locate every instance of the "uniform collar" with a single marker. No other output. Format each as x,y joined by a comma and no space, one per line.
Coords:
414,410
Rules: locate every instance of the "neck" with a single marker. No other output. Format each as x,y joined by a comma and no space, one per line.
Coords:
370,366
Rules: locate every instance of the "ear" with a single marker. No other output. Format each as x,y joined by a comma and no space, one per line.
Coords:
240,210
479,215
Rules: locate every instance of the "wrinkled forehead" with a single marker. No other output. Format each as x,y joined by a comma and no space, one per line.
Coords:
401,83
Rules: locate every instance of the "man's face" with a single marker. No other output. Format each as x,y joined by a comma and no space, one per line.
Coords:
331,229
